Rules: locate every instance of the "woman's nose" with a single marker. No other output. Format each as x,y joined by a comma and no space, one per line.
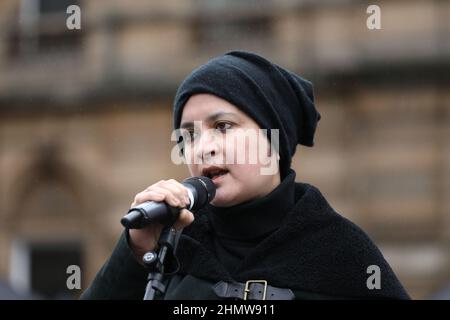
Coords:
207,146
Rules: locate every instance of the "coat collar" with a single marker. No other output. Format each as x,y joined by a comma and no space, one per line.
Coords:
315,249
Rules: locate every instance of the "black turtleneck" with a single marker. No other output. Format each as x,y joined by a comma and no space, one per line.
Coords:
240,228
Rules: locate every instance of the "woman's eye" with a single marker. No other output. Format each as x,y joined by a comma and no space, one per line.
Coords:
223,126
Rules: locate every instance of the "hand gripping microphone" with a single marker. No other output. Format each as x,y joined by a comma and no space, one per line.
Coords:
201,191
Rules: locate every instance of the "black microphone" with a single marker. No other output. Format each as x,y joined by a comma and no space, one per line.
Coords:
201,191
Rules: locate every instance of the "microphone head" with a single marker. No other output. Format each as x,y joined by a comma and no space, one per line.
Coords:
205,190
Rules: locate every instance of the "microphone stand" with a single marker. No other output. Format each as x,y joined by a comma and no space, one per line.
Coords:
155,262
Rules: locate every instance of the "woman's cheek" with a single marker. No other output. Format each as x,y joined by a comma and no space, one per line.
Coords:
232,188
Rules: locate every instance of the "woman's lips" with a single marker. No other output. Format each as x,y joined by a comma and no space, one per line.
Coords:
217,179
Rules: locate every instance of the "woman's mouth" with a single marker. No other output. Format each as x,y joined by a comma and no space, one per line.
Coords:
215,174
218,178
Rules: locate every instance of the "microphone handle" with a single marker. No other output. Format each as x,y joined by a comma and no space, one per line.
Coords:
150,212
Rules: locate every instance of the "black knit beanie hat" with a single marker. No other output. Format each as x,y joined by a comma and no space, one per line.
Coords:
274,97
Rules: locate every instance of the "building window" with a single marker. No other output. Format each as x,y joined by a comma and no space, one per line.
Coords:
241,23
39,269
41,29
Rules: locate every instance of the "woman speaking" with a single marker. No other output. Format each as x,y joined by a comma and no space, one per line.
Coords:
264,235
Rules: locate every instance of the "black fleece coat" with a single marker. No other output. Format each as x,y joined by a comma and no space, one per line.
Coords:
316,253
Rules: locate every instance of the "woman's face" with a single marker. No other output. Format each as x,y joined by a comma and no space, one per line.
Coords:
220,143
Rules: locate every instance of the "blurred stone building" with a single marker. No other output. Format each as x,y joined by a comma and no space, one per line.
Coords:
85,121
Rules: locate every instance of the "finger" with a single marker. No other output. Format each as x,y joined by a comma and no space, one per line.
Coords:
147,196
169,197
173,188
185,218
177,189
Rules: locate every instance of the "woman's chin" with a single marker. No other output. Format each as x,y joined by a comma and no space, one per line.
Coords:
221,200
218,202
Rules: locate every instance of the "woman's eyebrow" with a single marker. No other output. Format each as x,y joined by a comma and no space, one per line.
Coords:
211,118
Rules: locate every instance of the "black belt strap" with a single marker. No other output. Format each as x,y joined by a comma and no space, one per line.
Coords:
255,291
